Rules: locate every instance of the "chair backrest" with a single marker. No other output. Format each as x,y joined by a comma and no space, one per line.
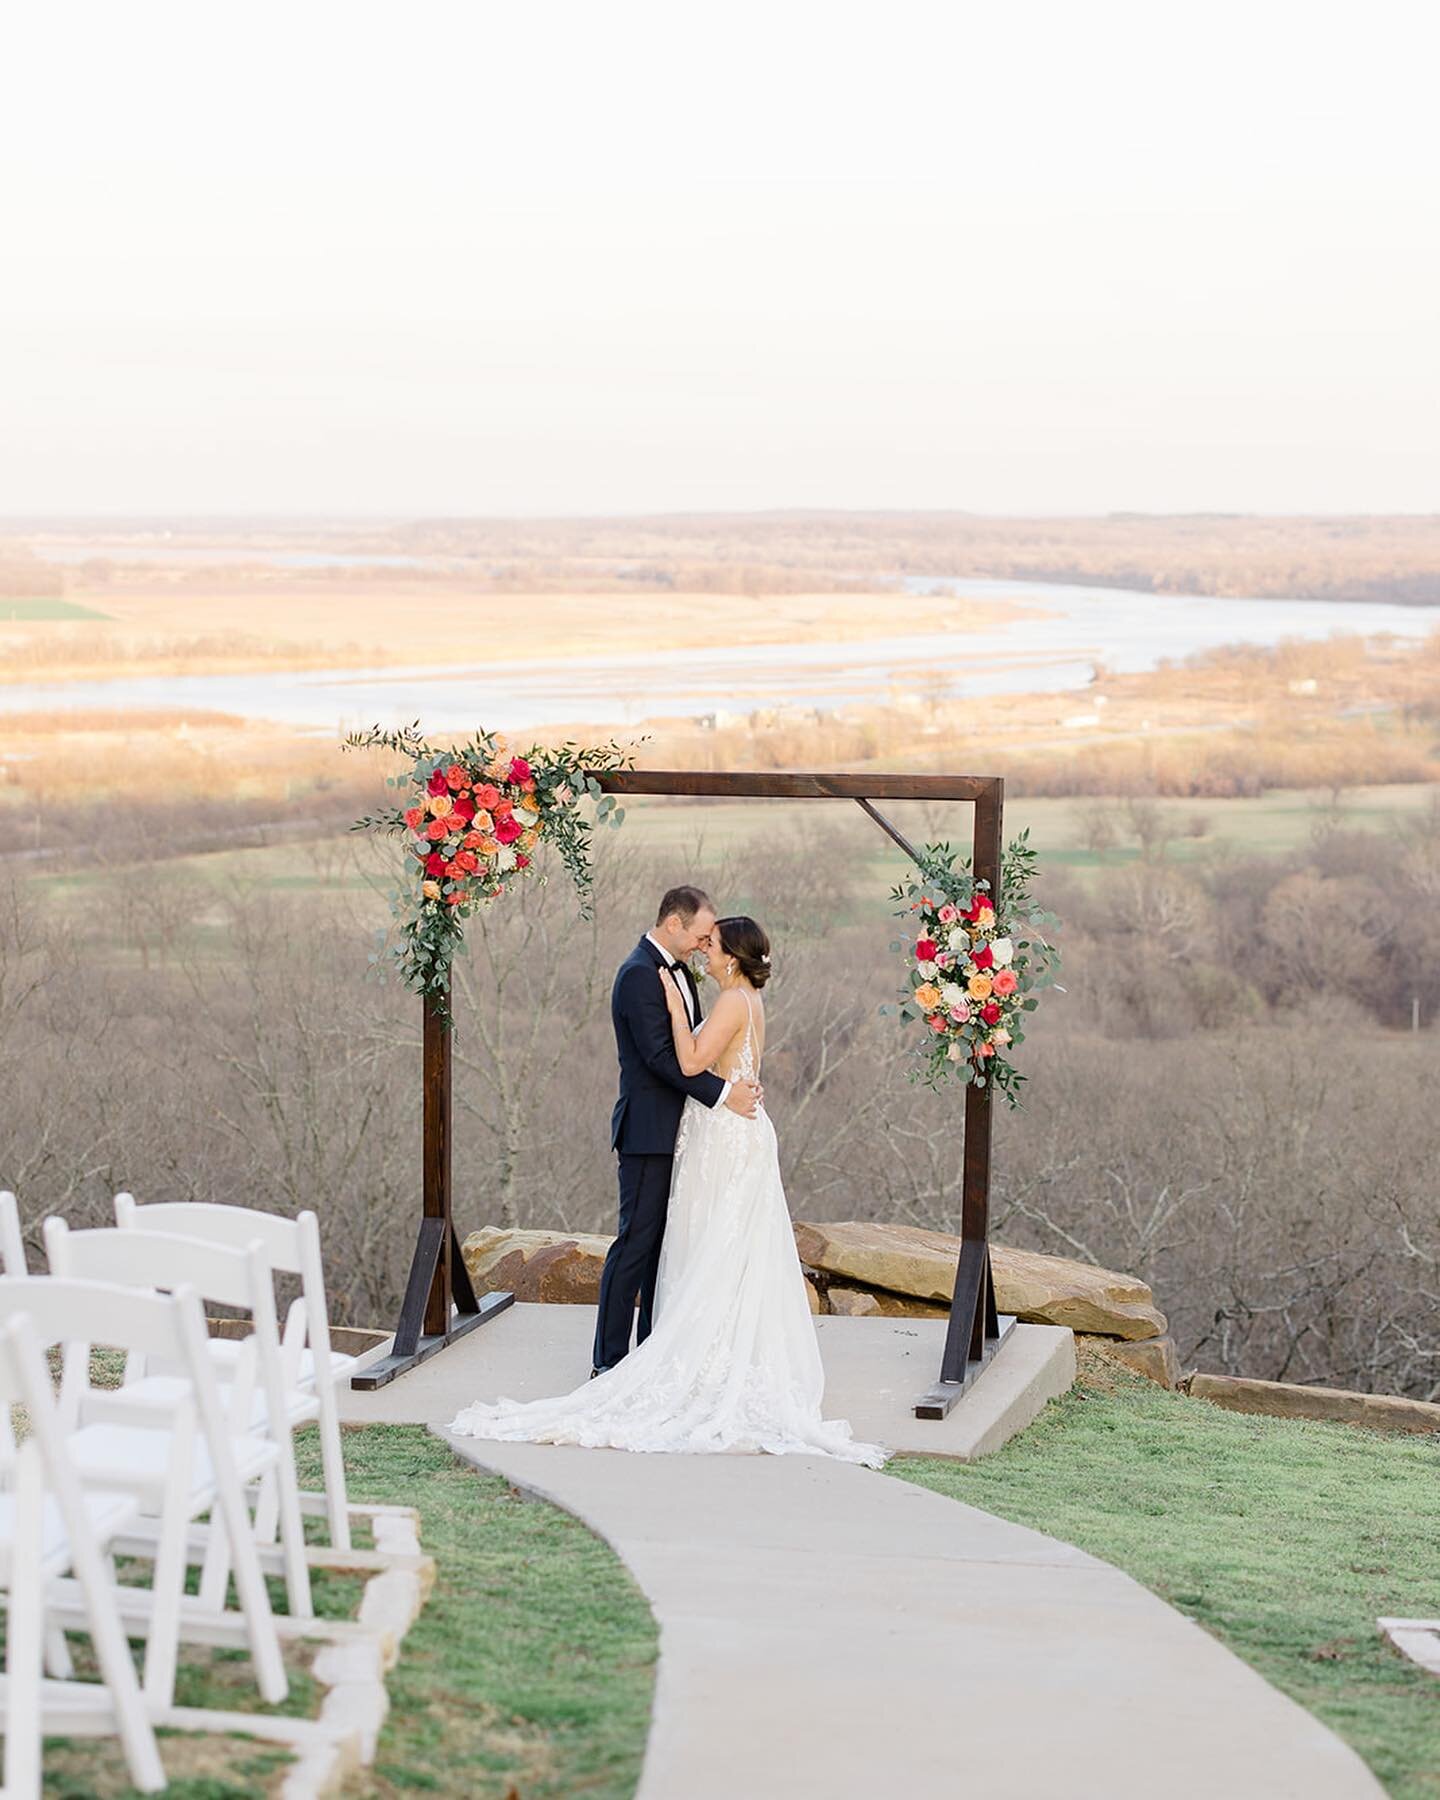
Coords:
12,1243
98,1312
225,1277
292,1245
234,1226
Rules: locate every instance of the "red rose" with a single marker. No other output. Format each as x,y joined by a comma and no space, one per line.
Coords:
487,797
522,861
434,863
464,808
990,1012
457,776
925,950
468,861
983,958
437,784
519,769
508,829
415,817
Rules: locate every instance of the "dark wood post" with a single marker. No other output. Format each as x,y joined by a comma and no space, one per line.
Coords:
436,1126
439,1304
973,1333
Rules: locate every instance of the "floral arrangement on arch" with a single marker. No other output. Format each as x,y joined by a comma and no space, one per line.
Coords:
476,816
974,970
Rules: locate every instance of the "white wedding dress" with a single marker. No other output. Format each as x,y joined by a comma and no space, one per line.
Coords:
732,1362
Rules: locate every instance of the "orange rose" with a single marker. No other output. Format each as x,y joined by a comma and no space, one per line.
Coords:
928,996
980,987
430,889
527,838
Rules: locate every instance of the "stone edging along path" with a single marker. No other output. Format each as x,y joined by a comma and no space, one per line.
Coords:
829,1631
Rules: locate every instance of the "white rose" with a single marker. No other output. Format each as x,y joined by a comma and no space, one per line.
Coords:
1003,952
999,1037
952,993
525,816
506,859
959,938
927,969
956,1052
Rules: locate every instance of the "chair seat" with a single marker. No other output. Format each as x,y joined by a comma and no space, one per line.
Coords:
163,1393
225,1353
134,1458
108,1513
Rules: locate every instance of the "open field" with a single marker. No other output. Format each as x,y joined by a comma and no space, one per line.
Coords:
1287,1540
156,627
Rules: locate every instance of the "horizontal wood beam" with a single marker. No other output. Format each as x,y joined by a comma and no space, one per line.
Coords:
784,786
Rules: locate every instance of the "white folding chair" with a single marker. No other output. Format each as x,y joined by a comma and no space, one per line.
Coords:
49,1526
12,1244
256,1399
179,1469
293,1247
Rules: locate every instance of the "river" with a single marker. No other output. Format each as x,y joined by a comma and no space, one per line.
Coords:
1059,635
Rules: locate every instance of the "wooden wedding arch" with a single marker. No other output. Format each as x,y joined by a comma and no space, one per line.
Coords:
440,1304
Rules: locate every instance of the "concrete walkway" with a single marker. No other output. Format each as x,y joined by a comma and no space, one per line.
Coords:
829,1631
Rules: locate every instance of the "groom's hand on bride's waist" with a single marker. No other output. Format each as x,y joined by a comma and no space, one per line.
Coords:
744,1098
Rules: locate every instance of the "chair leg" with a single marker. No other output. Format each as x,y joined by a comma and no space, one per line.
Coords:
58,1665
292,1533
269,1664
332,1457
167,1586
117,1668
267,1509
215,1567
23,1635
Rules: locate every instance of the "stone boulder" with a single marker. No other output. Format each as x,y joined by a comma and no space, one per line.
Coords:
866,1303
1044,1290
560,1266
1155,1357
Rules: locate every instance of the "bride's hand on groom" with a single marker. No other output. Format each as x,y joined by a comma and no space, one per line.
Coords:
744,1098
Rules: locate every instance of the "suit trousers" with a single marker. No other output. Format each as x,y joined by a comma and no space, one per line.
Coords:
633,1260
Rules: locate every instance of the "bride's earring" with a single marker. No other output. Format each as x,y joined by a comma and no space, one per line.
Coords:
730,967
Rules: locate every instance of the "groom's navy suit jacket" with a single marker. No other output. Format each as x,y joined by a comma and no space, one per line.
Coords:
652,1085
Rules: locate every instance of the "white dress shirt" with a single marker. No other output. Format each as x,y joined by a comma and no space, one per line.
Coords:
687,996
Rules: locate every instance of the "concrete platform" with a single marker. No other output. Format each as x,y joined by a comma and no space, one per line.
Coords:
874,1370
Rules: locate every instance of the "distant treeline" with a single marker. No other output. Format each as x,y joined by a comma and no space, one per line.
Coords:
1364,558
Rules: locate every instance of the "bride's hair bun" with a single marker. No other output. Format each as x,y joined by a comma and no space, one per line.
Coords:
746,941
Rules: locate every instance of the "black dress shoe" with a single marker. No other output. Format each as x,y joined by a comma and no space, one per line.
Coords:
595,1372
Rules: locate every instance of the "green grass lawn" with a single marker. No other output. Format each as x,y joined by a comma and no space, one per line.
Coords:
1287,1540
529,1671
47,607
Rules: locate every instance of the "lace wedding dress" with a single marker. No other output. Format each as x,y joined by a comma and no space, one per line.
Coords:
732,1363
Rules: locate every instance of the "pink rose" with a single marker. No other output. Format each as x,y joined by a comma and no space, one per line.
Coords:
1006,982
948,914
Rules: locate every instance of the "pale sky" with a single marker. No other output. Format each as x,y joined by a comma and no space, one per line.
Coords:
453,256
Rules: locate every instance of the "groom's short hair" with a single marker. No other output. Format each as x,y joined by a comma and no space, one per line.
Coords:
684,902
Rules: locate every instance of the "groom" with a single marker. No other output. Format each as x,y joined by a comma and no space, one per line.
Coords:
647,1115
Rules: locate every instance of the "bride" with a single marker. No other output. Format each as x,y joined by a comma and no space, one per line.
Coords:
732,1363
